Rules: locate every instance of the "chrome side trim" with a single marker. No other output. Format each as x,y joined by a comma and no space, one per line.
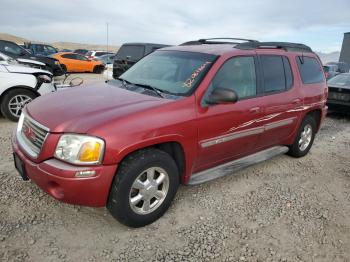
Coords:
232,136
280,123
236,165
248,132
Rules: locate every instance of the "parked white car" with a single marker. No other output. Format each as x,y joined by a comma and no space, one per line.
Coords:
95,54
19,85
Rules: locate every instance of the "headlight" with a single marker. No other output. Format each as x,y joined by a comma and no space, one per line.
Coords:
80,149
45,78
57,62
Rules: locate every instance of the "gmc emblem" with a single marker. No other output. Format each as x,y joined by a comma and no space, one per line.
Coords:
29,133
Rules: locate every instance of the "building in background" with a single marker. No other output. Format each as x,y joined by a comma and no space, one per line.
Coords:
345,49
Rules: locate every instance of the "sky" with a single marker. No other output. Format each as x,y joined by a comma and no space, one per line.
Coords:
319,24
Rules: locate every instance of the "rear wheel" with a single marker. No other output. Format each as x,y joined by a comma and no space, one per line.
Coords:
14,101
305,138
98,69
143,188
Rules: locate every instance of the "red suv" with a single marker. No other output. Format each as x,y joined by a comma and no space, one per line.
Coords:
185,114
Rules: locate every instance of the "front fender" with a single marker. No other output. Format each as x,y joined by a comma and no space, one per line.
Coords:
188,147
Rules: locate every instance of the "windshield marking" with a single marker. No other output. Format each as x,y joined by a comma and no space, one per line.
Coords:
188,83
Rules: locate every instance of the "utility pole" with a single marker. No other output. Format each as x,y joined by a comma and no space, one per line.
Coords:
107,47
107,36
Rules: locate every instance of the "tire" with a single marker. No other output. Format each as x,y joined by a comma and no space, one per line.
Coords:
123,189
98,69
22,96
299,148
64,69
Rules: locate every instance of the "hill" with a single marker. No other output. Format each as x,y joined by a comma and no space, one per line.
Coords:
329,57
59,45
325,57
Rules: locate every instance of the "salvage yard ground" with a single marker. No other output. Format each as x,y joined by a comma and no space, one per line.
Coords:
284,209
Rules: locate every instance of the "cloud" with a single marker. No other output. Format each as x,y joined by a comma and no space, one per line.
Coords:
173,22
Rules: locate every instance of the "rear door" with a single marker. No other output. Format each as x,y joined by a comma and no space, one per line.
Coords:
83,64
282,99
70,61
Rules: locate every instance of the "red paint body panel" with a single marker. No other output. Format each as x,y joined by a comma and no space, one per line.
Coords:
58,180
128,121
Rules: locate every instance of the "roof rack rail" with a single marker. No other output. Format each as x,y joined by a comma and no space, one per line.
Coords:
282,45
216,41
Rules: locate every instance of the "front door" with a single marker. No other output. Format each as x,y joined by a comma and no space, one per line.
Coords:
229,131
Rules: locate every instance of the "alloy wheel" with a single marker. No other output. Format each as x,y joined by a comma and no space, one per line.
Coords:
149,190
305,137
17,103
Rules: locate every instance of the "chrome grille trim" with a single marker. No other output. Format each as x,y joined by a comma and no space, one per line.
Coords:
33,148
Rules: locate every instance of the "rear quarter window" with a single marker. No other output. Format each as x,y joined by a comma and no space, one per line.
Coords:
310,70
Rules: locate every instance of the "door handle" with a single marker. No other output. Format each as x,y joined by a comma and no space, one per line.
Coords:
254,110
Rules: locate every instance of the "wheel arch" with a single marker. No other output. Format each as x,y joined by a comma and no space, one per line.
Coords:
173,147
317,115
31,89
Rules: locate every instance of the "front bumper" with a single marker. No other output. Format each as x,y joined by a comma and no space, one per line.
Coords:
341,106
58,180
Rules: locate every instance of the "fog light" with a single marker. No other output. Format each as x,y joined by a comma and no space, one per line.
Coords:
86,173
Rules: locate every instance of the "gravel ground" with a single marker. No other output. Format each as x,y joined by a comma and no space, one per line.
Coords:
284,209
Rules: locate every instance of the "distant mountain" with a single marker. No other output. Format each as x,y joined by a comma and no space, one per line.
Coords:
59,45
12,38
73,46
325,57
329,57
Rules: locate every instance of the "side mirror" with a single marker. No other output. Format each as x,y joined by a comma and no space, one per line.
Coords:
222,96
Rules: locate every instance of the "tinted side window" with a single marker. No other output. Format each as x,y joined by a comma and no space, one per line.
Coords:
69,56
80,57
273,71
100,53
134,52
288,72
310,70
10,48
237,74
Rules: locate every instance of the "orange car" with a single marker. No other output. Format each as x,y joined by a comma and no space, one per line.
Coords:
72,62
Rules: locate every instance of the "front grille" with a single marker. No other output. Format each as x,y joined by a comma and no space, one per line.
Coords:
32,136
339,96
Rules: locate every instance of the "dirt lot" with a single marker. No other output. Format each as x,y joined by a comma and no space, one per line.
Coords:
282,210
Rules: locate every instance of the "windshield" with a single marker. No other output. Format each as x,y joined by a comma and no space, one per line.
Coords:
173,72
340,80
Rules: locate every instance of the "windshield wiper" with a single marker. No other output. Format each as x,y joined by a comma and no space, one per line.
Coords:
156,90
124,82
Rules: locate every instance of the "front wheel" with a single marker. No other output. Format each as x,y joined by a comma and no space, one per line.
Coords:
143,188
14,101
304,139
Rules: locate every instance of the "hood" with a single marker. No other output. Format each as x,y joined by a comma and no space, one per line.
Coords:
25,70
80,109
338,86
29,61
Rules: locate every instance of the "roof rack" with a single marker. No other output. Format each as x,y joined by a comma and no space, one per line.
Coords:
282,45
216,41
